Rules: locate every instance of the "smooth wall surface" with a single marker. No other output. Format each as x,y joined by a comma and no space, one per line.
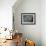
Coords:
43,22
32,32
6,13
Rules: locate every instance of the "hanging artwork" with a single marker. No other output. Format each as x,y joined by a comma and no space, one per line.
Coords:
28,18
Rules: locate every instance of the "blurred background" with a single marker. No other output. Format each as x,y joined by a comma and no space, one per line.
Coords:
35,32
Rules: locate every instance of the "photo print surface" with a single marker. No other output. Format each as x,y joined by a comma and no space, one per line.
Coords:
28,18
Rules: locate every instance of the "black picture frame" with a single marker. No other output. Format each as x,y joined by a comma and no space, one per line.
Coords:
28,18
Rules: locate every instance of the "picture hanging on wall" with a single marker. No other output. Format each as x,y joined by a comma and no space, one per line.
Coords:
28,18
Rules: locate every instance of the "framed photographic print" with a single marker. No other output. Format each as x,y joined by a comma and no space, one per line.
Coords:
28,18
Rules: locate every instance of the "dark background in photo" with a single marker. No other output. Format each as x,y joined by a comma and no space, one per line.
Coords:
28,18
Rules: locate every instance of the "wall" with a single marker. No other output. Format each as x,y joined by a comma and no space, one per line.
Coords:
6,13
43,22
32,32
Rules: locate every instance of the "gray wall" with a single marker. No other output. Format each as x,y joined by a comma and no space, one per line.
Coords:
32,32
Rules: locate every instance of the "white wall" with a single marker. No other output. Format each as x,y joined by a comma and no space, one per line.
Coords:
6,13
30,31
43,22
